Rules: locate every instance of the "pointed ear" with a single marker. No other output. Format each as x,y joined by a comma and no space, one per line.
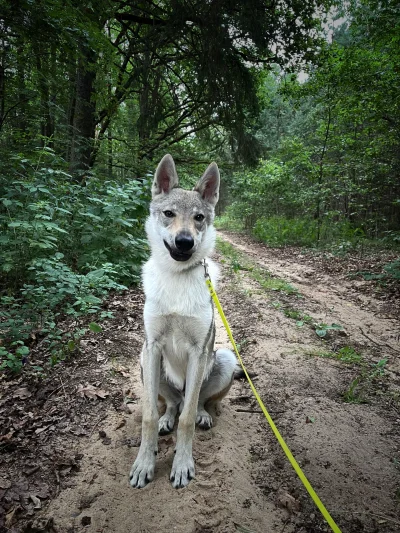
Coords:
165,177
208,184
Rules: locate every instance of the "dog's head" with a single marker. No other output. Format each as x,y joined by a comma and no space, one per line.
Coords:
182,220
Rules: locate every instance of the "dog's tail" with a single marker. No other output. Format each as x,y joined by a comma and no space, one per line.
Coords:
239,373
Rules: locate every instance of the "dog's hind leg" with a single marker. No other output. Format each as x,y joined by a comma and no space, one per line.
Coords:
172,398
216,386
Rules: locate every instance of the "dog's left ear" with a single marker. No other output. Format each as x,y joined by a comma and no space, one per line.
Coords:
208,184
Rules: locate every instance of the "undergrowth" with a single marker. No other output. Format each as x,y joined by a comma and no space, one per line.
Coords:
336,237
64,247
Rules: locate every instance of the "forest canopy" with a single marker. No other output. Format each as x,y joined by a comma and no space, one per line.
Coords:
115,83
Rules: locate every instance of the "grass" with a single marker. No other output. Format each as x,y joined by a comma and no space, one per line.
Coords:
369,373
347,354
269,283
237,261
300,317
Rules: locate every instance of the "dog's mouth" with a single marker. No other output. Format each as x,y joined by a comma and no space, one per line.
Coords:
175,254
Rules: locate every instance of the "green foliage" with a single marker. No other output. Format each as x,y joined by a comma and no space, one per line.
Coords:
332,142
362,384
237,261
300,317
228,222
271,283
64,247
114,85
281,231
347,354
43,212
391,272
322,330
393,269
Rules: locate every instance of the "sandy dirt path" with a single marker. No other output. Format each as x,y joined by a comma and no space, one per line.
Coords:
212,502
349,451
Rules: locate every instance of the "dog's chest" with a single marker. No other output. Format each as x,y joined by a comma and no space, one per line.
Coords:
185,294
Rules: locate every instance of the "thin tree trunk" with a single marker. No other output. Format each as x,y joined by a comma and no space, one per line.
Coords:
2,83
84,116
321,174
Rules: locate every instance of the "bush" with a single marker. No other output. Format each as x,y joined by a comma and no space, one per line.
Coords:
63,247
280,231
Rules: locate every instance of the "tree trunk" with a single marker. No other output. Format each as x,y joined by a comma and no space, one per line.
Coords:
84,124
2,84
46,69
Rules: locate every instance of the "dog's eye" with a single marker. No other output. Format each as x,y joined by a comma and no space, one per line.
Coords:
199,217
169,214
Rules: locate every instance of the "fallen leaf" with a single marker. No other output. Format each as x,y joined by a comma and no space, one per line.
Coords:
22,393
7,436
122,370
40,430
36,501
285,500
310,419
121,424
166,443
10,516
91,392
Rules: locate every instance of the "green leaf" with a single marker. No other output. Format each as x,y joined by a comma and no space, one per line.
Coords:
22,350
95,327
71,346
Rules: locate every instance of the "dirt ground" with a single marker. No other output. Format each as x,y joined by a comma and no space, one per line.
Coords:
67,441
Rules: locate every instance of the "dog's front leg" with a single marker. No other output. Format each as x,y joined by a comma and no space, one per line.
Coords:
143,468
183,466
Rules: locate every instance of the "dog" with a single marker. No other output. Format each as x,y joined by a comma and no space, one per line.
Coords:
178,363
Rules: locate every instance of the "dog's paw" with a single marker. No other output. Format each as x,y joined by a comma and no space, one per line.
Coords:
203,419
166,424
142,471
182,471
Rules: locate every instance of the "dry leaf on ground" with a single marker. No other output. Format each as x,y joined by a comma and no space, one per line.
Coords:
91,392
286,501
22,393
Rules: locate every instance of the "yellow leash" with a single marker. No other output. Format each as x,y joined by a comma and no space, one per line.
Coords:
283,444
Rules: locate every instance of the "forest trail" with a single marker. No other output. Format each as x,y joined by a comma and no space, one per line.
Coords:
349,451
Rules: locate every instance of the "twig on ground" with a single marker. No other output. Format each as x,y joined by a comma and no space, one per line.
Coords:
63,388
58,482
379,343
249,411
103,417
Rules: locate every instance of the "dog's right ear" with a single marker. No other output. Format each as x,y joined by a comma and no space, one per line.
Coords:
165,177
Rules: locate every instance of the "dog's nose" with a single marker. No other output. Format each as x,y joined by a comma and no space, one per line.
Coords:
184,242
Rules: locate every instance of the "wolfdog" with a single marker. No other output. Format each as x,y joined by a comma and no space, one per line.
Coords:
178,362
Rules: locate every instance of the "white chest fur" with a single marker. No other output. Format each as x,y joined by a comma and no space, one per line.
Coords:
182,293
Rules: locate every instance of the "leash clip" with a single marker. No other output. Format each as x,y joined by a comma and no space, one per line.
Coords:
206,273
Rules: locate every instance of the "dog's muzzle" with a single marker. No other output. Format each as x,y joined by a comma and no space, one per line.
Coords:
183,249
